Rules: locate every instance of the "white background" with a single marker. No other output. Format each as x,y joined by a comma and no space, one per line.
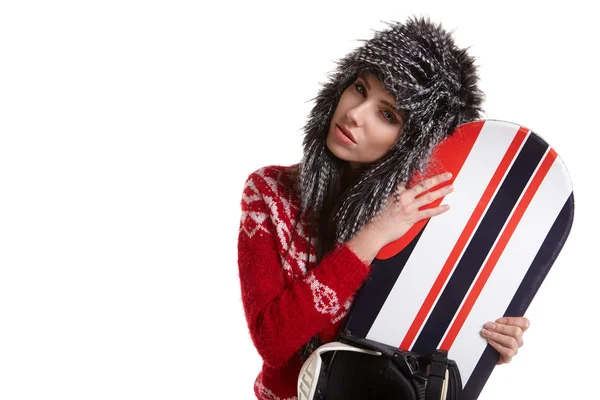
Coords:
127,130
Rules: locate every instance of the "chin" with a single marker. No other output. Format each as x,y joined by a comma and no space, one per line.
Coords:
331,145
337,150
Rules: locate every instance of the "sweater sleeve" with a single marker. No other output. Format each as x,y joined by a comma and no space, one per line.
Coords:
282,316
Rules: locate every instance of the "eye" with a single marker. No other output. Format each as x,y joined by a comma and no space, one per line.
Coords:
392,118
360,88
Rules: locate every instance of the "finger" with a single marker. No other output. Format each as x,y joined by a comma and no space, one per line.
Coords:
521,322
506,341
506,355
507,330
433,196
427,184
431,212
400,188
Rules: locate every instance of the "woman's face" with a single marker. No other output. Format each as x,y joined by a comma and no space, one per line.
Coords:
364,127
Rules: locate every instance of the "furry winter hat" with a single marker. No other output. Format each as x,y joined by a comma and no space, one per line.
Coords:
434,83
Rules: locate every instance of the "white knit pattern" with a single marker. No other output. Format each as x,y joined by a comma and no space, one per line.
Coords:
344,310
325,299
258,217
279,202
281,210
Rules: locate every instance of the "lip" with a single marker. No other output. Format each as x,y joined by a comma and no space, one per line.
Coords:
347,132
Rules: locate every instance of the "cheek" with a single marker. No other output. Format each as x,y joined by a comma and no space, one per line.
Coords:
386,138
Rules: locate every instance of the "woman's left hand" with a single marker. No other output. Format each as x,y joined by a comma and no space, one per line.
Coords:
506,336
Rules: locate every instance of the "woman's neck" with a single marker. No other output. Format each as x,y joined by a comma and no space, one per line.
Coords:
349,176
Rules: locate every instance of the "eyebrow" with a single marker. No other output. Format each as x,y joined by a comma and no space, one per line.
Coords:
387,103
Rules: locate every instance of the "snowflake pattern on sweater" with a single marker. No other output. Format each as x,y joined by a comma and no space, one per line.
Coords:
287,298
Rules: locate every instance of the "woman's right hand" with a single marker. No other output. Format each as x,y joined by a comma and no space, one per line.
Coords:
400,213
402,209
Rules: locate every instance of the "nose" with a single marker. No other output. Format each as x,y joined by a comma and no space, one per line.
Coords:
356,113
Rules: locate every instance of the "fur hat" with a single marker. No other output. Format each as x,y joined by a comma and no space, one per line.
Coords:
432,80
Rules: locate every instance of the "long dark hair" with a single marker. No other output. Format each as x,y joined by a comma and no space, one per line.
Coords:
325,234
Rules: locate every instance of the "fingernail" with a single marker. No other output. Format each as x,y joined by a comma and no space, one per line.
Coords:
490,325
450,187
448,175
502,321
486,332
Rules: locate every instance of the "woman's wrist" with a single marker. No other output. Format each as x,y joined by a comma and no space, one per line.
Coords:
365,244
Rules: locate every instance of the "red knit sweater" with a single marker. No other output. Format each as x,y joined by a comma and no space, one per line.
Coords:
286,301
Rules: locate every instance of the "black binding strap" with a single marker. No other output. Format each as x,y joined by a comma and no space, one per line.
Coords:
437,374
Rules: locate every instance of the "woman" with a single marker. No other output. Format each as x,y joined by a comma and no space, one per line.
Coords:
310,231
